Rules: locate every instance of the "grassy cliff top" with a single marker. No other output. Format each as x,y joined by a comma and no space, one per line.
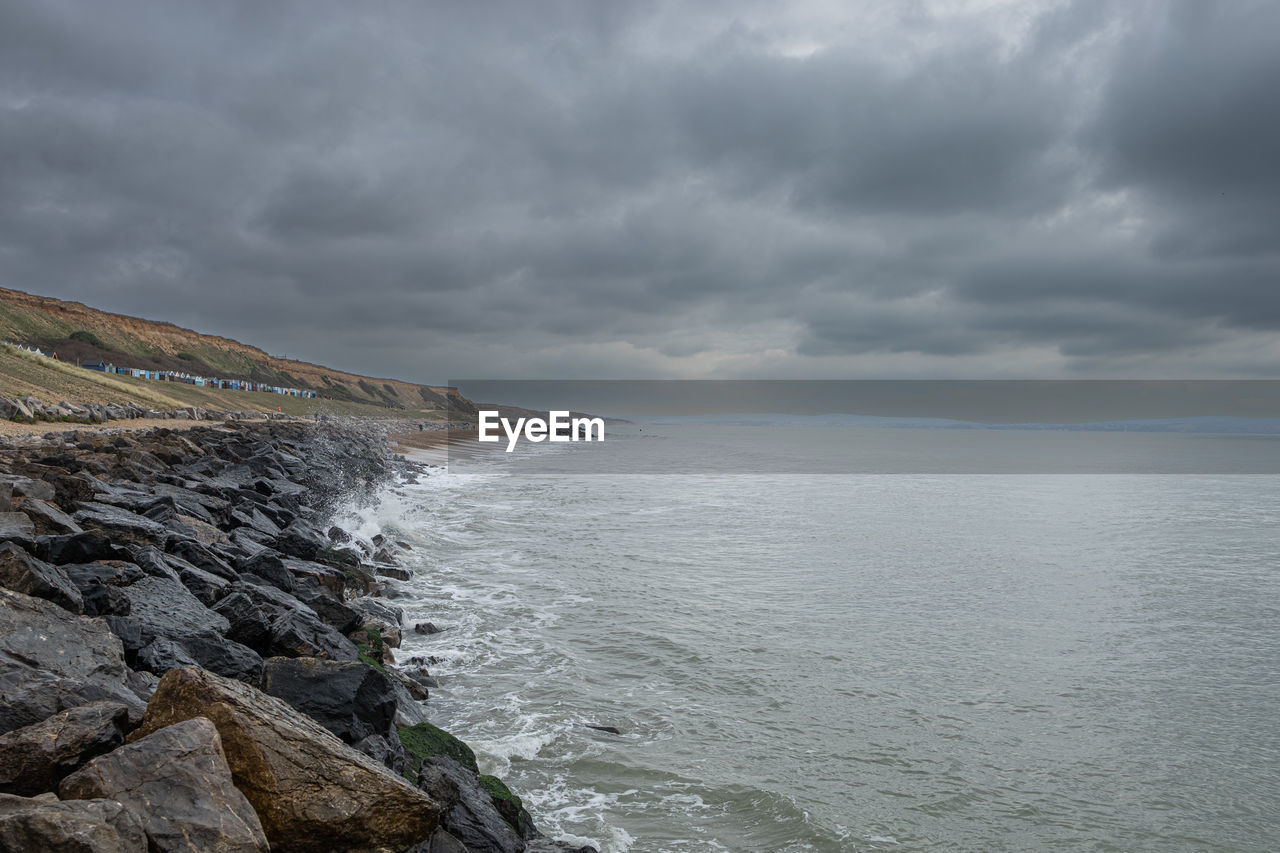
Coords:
77,333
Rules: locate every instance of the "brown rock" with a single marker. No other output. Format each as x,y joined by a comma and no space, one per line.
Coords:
176,782
313,793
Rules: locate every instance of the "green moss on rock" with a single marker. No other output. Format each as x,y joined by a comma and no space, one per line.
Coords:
369,647
425,739
508,805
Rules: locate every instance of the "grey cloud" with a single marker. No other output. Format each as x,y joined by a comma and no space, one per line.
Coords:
620,187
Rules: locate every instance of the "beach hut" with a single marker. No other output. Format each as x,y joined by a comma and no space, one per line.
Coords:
99,365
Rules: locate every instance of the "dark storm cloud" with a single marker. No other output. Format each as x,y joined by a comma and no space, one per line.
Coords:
627,189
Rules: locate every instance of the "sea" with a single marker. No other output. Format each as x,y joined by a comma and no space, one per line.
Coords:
859,639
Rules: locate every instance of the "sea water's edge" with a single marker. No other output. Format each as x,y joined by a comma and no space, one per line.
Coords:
817,662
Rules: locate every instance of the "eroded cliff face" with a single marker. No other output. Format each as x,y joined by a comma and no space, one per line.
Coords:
132,341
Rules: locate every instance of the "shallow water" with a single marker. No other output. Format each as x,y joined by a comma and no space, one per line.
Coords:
859,661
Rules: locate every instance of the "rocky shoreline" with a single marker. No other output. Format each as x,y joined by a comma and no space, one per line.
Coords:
192,658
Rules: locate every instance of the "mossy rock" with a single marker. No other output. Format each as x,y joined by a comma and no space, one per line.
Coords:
508,805
425,739
369,647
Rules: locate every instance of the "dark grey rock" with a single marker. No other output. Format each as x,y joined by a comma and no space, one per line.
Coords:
249,625
255,519
143,684
329,607
301,542
157,563
334,580
387,750
108,572
163,654
203,556
301,634
208,650
353,700
17,527
45,648
47,518
80,548
79,826
166,609
28,488
120,525
33,759
268,565
473,819
207,587
392,572
21,572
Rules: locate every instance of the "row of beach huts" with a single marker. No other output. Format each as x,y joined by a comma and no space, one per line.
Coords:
199,381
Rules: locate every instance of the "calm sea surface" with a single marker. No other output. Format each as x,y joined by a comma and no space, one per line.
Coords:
863,661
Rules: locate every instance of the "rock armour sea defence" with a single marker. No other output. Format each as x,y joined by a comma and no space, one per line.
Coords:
312,792
194,658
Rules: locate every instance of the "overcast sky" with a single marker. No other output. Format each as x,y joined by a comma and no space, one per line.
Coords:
649,189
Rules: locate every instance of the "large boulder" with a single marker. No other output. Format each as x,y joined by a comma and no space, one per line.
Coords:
352,700
100,585
51,660
79,826
268,565
207,587
16,527
176,781
249,625
206,649
123,527
163,654
21,572
202,556
471,817
27,487
328,577
47,518
167,609
80,548
152,561
331,609
302,634
292,628
33,759
313,793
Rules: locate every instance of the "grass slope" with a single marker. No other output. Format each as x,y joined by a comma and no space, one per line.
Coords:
26,374
77,332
